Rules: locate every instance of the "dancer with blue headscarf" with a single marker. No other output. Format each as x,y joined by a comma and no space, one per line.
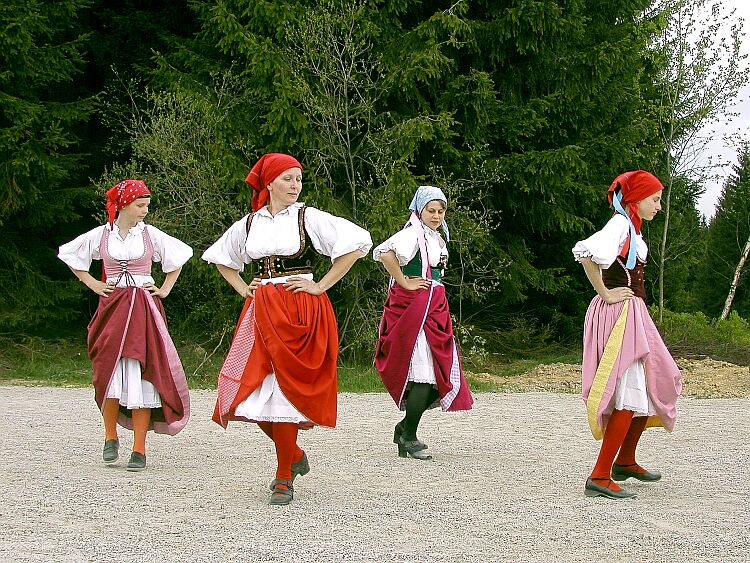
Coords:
416,354
630,380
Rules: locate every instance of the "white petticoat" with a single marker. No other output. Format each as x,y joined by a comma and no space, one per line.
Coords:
422,368
268,403
631,393
130,388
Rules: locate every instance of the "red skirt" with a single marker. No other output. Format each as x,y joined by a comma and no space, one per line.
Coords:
405,313
130,323
293,335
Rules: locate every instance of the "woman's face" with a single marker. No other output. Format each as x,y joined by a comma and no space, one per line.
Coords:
649,207
433,214
135,211
285,188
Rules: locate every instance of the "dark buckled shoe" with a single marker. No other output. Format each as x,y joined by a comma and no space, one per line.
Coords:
399,429
302,467
110,454
593,489
281,496
621,472
137,462
412,448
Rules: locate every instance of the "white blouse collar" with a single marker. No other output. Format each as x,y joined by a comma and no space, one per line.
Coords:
135,230
267,213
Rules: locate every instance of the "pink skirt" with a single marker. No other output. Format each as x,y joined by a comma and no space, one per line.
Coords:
614,338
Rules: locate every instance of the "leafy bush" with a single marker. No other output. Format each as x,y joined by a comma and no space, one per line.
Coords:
695,334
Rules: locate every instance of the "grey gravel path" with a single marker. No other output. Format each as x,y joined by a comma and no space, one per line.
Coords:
505,485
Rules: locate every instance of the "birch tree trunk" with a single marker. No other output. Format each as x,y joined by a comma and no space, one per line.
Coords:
736,279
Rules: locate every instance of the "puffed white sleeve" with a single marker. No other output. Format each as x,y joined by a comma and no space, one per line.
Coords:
230,250
404,244
335,236
170,251
604,246
79,252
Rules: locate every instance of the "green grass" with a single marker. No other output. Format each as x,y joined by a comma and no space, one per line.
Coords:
63,362
36,361
33,360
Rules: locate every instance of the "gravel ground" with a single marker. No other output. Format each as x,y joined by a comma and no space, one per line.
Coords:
506,483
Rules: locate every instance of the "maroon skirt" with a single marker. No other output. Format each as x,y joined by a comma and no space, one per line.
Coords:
130,323
405,313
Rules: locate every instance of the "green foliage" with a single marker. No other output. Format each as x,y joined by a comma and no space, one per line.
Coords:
684,250
181,144
727,235
700,72
689,334
522,111
41,56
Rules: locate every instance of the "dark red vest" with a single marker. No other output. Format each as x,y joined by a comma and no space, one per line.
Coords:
617,275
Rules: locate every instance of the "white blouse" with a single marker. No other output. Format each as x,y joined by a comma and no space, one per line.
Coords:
171,252
603,247
406,245
279,235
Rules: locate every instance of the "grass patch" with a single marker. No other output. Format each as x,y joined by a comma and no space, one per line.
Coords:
359,379
32,360
63,362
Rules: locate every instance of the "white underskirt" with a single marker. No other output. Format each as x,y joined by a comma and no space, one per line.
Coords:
631,393
130,388
422,368
268,403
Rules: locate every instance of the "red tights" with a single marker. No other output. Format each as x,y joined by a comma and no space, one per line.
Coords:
621,435
284,436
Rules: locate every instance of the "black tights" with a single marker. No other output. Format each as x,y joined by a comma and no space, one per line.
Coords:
419,398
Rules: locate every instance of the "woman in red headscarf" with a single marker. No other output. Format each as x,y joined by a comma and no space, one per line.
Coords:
280,371
138,378
630,380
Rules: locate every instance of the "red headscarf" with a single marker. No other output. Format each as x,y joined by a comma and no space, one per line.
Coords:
634,187
265,171
122,194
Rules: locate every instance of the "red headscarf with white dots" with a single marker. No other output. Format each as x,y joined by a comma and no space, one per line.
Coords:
122,194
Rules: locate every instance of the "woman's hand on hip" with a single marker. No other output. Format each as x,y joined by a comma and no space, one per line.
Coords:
250,291
296,284
413,284
156,291
618,294
101,288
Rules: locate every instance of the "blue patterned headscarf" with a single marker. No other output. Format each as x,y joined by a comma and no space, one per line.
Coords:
423,196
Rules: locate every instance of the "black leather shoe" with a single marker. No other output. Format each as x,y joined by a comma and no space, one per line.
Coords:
400,430
137,462
110,453
594,489
621,472
412,448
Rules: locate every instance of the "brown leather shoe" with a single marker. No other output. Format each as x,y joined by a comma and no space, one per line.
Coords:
594,489
621,472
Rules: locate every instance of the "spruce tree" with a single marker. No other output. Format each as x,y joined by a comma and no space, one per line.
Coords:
728,233
43,111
